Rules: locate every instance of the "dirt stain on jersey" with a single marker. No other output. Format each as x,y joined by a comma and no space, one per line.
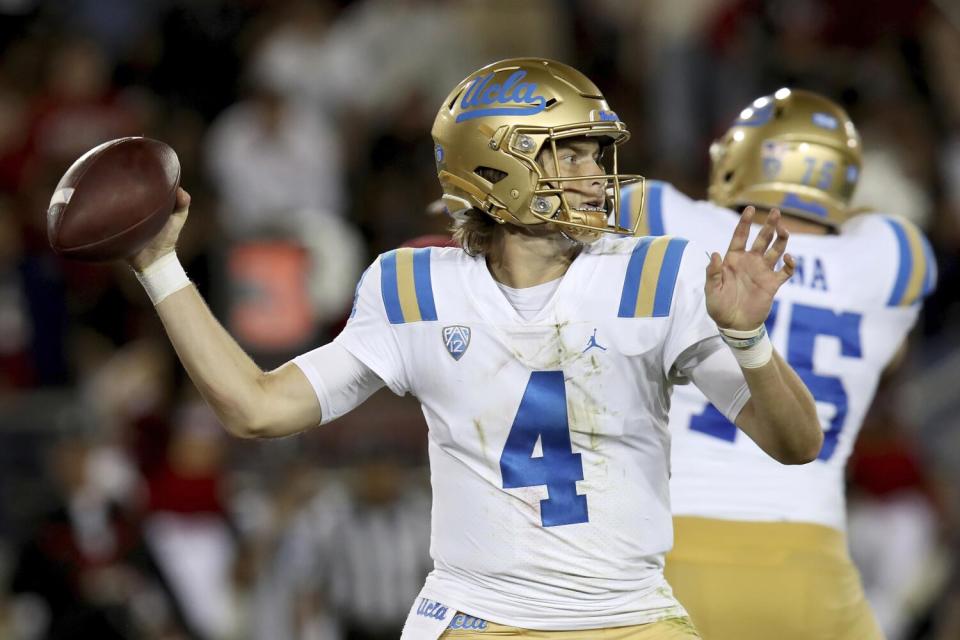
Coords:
478,427
556,355
542,348
585,412
558,338
594,369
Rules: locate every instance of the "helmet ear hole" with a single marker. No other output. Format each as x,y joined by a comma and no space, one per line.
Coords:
491,175
728,176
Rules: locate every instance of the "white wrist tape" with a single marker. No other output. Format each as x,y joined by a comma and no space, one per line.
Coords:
163,277
752,349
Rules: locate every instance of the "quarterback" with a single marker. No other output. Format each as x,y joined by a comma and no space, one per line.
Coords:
543,353
760,549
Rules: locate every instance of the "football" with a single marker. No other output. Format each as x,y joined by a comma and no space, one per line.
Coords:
113,200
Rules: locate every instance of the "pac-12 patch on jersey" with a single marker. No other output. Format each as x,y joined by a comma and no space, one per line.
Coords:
456,339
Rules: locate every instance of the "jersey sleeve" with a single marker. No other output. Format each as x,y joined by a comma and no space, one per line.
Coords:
715,372
915,272
339,379
370,336
689,321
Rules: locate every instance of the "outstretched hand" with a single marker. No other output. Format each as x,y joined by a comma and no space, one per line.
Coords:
741,285
166,240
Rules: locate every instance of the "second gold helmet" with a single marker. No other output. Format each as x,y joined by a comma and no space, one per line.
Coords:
794,150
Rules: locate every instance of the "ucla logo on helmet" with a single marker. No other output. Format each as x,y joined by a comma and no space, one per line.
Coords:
456,339
512,98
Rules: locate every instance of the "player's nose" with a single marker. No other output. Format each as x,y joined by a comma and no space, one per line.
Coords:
597,187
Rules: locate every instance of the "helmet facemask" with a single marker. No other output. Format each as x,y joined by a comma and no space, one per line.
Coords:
550,201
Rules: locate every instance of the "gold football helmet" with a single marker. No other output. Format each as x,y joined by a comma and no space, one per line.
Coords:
494,124
796,151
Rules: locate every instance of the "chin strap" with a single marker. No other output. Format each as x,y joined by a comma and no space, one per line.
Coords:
596,219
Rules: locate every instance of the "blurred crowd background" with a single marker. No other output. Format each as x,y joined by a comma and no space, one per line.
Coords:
303,127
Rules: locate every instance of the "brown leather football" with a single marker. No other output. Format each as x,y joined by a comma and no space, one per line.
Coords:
113,200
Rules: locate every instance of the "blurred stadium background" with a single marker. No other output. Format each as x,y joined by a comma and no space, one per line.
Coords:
303,130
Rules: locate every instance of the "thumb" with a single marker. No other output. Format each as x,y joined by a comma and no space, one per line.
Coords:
183,200
715,271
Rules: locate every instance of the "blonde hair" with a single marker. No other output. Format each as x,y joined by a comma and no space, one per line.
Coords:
473,230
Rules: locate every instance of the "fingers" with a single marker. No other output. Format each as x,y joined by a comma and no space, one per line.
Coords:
738,242
183,200
789,266
715,271
763,238
775,252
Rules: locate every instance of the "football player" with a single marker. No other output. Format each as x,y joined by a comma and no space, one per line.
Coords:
543,354
760,549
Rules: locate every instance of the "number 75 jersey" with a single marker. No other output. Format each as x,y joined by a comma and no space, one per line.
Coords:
548,438
839,322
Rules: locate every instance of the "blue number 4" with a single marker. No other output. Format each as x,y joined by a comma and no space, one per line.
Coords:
543,416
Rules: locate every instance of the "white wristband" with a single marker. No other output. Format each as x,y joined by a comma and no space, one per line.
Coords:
752,349
163,277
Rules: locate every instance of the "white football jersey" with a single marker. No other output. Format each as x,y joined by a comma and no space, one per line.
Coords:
548,438
838,322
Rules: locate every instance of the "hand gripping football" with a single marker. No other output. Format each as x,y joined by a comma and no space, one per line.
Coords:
113,200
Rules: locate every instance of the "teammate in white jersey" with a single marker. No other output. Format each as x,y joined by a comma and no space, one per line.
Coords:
760,548
543,356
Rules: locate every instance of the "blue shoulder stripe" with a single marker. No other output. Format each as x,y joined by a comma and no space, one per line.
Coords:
916,272
655,207
649,208
624,218
651,278
407,286
388,287
631,281
668,277
424,283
